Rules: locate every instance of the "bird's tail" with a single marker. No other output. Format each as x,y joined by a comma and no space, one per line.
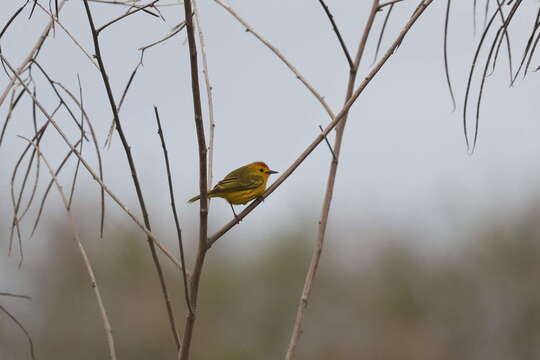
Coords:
194,199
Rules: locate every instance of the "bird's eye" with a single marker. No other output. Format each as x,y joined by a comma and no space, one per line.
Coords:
261,170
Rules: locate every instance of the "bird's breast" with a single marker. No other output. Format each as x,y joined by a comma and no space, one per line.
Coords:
244,196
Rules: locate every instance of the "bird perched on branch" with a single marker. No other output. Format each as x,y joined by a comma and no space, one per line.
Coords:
241,185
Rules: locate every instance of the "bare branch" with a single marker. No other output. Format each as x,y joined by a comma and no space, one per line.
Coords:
103,27
389,3
329,146
445,51
203,183
279,55
173,32
69,34
84,255
30,55
12,105
48,188
134,176
93,173
173,207
318,248
536,25
12,18
208,95
338,34
28,337
96,147
385,22
26,297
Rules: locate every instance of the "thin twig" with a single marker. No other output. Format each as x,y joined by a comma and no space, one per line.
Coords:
70,35
16,200
329,146
12,105
173,32
533,50
103,27
203,183
108,141
173,206
325,211
94,174
473,66
134,176
84,255
60,98
26,297
96,147
445,52
336,30
508,46
385,22
77,167
28,337
278,53
48,188
536,25
12,18
391,2
31,55
209,96
469,81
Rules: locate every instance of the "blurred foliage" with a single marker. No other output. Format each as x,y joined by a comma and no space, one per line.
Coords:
479,300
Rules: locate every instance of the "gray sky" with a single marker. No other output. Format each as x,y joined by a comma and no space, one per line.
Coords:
404,157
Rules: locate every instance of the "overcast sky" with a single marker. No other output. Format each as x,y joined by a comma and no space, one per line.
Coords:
404,158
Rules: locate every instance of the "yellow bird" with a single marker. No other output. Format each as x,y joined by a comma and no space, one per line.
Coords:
241,185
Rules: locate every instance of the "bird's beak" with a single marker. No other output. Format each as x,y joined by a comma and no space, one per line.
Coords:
269,172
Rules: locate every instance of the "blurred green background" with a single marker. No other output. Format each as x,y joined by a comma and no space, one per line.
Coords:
388,295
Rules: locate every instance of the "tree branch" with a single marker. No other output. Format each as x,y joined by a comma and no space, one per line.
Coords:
92,172
134,176
317,250
250,29
203,183
31,54
84,255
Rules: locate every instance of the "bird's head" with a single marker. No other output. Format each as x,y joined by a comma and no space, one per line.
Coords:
261,168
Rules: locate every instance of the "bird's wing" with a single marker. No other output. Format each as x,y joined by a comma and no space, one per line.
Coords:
238,182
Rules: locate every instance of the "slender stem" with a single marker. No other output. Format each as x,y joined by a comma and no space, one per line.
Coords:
69,34
173,206
26,333
338,34
209,95
278,53
391,2
445,55
317,250
31,55
26,297
103,27
96,147
203,183
93,173
134,176
84,255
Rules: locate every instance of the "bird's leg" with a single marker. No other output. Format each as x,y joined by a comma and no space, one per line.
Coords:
234,212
